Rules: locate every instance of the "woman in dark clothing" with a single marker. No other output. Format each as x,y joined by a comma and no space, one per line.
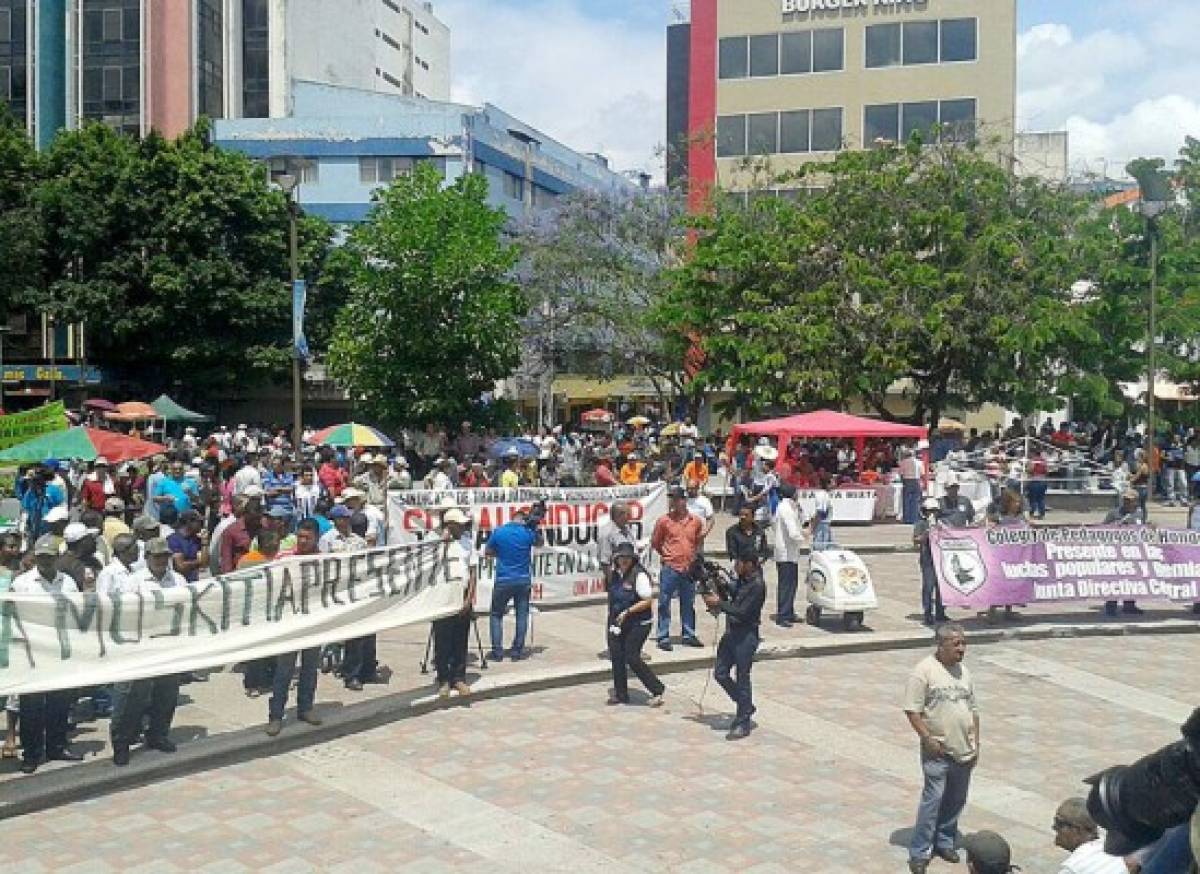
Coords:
630,594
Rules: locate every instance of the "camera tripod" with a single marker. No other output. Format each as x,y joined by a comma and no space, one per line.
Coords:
478,645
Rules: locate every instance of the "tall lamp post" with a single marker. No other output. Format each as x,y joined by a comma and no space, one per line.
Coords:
1156,198
289,182
4,330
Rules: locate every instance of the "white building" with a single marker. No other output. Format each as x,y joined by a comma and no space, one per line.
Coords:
394,47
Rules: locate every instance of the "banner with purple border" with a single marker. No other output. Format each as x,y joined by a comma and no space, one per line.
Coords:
989,567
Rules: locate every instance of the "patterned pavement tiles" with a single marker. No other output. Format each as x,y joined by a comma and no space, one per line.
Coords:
557,781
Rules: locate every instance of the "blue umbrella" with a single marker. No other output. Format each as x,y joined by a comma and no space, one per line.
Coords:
525,448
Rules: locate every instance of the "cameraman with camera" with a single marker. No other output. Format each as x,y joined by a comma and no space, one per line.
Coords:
741,601
511,545
39,494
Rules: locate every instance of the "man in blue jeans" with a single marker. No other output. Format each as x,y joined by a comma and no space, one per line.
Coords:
939,701
285,663
511,547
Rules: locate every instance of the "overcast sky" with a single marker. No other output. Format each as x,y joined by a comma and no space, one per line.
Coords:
1120,75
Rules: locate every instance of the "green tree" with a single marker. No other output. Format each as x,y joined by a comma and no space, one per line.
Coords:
924,266
175,255
20,227
432,320
594,269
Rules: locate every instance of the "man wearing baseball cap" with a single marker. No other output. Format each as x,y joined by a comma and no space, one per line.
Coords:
450,634
98,486
988,853
44,714
114,520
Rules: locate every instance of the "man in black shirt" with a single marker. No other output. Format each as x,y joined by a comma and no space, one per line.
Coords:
743,612
745,536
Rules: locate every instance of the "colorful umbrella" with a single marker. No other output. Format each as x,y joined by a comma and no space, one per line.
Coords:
100,404
671,430
83,443
351,434
638,421
132,411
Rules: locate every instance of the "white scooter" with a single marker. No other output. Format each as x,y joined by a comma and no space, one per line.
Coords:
838,581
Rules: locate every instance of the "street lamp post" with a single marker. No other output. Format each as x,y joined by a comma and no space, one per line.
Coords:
1156,198
289,182
4,330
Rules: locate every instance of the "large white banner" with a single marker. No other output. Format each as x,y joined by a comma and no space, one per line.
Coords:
849,505
50,642
568,565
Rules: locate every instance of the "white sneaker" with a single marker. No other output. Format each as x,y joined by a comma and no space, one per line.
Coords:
655,701
444,690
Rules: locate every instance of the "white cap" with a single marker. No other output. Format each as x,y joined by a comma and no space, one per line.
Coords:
56,514
352,492
456,516
76,531
401,461
767,453
100,460
366,458
252,491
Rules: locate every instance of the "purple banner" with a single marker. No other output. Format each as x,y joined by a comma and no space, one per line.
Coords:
991,567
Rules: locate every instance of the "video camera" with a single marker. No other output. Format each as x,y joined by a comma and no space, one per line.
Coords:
711,579
1137,803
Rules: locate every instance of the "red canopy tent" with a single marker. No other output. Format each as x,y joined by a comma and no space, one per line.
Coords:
828,424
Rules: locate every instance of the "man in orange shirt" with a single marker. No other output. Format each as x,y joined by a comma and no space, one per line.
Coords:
677,537
631,470
696,470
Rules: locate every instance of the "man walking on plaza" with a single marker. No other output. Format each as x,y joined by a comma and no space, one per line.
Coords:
939,701
911,471
285,664
678,537
743,614
789,539
450,634
1075,831
511,546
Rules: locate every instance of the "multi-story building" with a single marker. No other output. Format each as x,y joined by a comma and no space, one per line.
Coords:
799,80
354,141
138,65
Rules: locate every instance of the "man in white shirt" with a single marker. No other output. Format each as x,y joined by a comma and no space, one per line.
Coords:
788,534
356,502
156,696
340,538
117,578
1076,832
700,506
911,471
248,475
44,715
440,477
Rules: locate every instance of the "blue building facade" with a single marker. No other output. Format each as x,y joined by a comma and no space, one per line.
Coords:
355,142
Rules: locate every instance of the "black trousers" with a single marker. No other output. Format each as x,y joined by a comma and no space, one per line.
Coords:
736,651
359,662
258,674
44,724
625,653
157,696
450,647
789,581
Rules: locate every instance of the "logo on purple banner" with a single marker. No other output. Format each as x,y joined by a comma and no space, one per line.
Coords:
991,567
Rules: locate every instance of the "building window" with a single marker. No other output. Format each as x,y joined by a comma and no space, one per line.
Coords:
764,55
389,41
733,61
810,130
310,173
13,59
826,130
731,136
5,25
6,84
894,122
795,53
110,60
380,171
762,133
211,59
256,52
392,6
922,42
392,80
829,50
514,186
959,40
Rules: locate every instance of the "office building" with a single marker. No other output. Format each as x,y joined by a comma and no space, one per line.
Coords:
354,141
799,80
138,65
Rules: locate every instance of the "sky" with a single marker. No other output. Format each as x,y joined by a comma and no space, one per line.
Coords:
1120,75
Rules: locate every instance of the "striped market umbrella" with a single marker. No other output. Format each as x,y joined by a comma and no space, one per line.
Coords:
351,434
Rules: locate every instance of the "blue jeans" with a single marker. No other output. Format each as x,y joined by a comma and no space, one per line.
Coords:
306,688
518,592
910,501
1173,855
931,593
671,581
1037,497
736,650
942,800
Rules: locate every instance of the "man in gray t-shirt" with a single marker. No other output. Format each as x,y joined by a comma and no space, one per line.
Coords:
939,701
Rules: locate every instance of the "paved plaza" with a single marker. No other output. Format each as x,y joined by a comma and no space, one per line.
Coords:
556,781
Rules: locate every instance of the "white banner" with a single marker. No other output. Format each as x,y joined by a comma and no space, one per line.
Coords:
50,642
568,565
849,505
